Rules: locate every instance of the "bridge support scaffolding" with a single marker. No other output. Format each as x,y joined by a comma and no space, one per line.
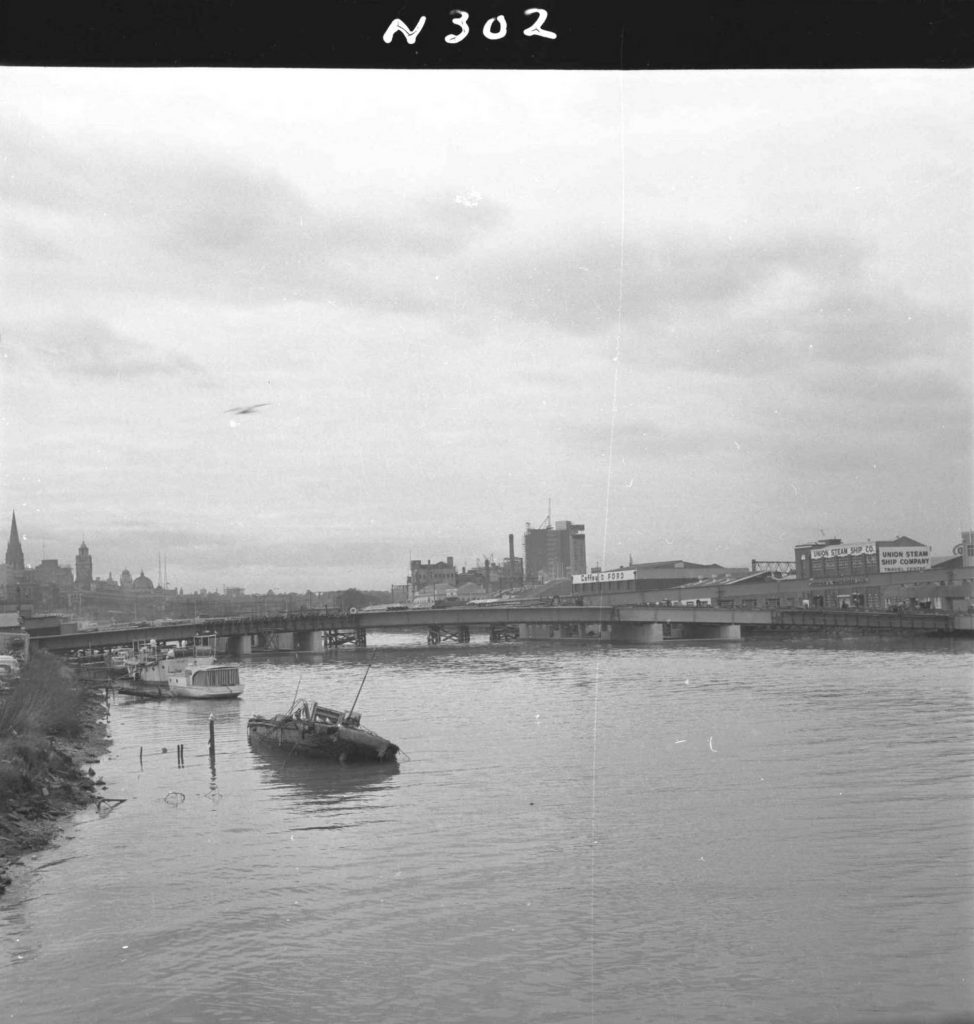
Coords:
562,631
340,637
270,642
500,634
437,634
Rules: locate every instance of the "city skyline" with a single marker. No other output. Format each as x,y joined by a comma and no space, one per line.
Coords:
125,576
292,329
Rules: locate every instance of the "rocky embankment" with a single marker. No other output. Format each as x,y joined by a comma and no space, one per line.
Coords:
46,777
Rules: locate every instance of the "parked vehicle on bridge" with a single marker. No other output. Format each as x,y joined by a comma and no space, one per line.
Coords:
9,668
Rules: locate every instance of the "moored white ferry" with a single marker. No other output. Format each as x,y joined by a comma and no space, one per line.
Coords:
190,671
210,682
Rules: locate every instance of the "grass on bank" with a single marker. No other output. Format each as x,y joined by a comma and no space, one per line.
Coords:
45,702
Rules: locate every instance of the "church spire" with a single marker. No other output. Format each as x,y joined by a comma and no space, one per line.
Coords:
15,553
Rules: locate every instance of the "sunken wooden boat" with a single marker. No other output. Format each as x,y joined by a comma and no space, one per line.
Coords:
316,731
145,691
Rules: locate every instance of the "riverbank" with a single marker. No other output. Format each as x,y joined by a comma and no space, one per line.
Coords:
53,728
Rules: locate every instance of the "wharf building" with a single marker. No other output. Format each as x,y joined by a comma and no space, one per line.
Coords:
640,579
832,559
900,574
883,575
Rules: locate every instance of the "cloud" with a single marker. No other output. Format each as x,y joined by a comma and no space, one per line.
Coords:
22,241
199,225
90,349
587,282
220,208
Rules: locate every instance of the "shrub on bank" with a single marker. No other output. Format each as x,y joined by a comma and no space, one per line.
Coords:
45,701
23,761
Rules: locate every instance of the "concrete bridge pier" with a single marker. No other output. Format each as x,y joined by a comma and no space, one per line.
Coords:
709,631
309,640
239,646
531,631
637,633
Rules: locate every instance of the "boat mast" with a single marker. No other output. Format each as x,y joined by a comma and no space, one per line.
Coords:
354,702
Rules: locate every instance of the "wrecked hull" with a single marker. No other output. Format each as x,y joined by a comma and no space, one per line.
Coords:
326,740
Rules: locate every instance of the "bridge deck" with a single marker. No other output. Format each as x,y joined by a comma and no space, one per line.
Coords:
486,617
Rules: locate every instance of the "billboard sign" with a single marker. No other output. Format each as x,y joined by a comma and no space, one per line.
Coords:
615,576
844,550
904,559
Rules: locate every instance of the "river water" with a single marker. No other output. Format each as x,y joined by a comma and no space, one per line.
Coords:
745,832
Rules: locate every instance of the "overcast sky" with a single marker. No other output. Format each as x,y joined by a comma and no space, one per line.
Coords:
709,315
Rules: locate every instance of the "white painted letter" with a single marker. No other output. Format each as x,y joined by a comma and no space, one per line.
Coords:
460,20
536,29
399,26
501,27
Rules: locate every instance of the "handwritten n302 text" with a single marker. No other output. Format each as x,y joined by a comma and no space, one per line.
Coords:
493,28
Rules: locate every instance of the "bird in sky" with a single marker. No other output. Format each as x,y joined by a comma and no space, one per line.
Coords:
243,410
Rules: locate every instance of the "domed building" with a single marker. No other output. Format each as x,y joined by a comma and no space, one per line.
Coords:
142,583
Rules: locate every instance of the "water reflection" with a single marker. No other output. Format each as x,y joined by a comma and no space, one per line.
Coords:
314,783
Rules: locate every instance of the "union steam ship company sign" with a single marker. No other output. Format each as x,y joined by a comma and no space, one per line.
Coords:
891,559
844,551
903,559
